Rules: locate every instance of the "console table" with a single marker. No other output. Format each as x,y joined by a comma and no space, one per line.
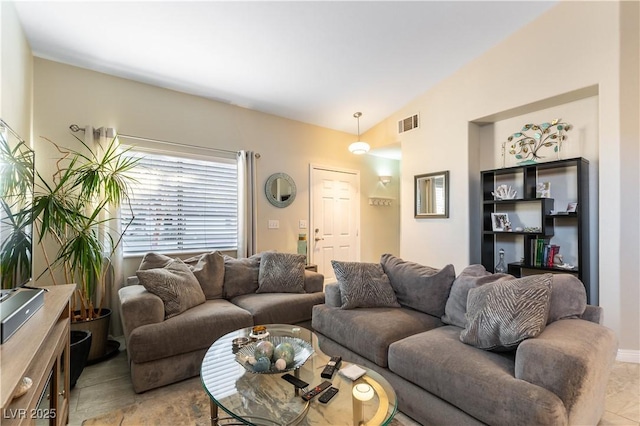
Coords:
39,350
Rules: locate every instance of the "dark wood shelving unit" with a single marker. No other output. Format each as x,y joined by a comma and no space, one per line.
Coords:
527,178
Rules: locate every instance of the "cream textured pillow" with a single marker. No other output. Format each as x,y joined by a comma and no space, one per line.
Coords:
175,284
364,285
502,314
281,273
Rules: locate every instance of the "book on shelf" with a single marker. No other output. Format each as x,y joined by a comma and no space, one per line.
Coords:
543,252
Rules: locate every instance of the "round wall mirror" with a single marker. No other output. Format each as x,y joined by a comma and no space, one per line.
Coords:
280,189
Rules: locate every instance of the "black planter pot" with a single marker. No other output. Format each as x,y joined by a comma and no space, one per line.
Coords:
80,347
101,347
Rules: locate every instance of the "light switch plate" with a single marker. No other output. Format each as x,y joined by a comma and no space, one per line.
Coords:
274,224
302,224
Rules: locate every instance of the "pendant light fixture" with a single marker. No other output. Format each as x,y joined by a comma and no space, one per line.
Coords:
359,147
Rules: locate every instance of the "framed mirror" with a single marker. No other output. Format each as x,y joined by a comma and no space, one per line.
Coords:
431,192
280,189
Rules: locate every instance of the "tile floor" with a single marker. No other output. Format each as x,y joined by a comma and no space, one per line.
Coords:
106,386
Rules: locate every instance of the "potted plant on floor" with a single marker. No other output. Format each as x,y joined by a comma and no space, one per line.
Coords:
74,213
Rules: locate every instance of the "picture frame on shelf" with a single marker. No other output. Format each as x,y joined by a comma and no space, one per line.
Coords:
572,207
500,222
543,190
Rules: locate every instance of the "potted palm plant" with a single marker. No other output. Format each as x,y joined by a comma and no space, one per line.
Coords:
75,210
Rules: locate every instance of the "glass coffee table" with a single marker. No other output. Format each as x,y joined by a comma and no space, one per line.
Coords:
266,399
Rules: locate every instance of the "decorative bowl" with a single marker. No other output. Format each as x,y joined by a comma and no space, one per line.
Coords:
302,350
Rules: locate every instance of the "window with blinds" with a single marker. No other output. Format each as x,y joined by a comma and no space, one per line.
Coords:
181,205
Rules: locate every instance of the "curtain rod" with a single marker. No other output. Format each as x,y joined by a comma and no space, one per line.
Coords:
184,145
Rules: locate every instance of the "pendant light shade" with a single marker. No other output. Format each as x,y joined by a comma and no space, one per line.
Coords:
359,147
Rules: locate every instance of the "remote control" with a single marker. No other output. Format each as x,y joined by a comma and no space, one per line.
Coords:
315,391
295,381
330,393
331,367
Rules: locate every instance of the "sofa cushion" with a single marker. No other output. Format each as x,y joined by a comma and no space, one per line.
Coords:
281,273
240,275
472,276
175,284
194,329
369,332
363,285
417,286
568,298
279,308
154,260
500,315
208,268
478,382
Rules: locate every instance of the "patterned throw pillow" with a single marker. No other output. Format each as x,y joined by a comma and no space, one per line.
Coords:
281,273
502,314
175,284
364,285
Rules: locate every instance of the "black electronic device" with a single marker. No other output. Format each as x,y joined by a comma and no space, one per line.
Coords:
295,381
331,367
315,391
329,393
17,309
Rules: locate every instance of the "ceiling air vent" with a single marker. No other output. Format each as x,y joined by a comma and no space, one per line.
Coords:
408,123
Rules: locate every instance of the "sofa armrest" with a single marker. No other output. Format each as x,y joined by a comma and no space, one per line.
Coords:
313,281
332,295
138,307
571,358
593,314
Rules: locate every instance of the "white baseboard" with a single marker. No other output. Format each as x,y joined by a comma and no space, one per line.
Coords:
627,355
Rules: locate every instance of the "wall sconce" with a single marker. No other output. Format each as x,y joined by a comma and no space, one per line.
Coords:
385,179
362,392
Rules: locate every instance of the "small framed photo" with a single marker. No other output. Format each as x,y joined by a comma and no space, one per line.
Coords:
500,221
543,190
572,207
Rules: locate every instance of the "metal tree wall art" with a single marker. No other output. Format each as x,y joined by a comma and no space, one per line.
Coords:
526,144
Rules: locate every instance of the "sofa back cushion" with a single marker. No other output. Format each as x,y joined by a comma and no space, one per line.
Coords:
208,269
240,275
471,277
175,284
281,273
363,285
502,314
417,286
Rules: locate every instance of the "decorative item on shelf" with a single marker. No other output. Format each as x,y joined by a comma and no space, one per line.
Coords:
558,260
572,207
504,192
500,222
526,146
380,201
501,267
543,190
359,147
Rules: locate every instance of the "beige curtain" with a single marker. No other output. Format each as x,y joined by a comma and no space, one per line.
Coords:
247,204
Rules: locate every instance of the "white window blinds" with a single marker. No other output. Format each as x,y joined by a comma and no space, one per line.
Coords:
181,205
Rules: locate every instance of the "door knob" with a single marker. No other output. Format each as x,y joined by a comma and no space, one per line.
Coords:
318,239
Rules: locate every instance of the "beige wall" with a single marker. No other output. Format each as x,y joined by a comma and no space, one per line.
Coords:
573,46
64,95
16,72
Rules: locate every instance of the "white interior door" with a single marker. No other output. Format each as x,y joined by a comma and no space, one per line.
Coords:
335,218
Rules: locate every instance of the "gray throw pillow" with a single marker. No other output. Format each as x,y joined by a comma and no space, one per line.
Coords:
502,314
175,284
417,286
281,273
363,285
471,277
154,260
240,275
208,269
568,298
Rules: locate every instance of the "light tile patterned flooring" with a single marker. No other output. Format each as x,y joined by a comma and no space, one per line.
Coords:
106,386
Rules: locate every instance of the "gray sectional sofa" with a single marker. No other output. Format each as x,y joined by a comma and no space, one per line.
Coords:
167,335
557,376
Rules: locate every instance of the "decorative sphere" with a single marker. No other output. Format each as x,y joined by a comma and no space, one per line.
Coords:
264,349
281,364
262,364
284,351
